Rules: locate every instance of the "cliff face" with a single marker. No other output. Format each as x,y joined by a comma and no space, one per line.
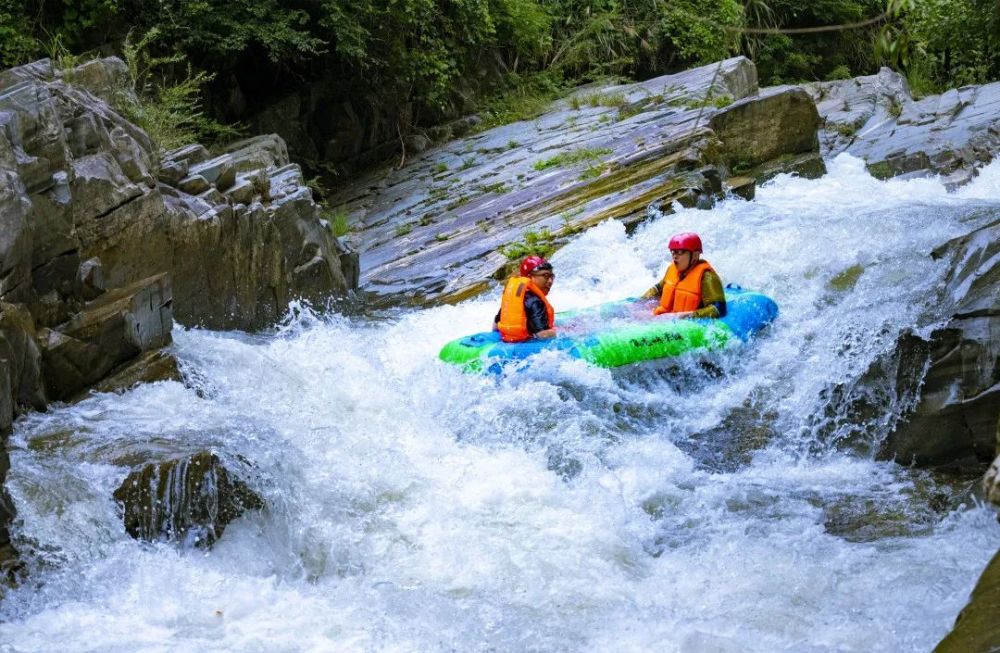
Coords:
104,240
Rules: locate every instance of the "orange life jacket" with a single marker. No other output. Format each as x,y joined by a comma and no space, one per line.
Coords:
682,294
513,324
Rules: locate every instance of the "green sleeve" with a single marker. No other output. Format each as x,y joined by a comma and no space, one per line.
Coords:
711,292
654,292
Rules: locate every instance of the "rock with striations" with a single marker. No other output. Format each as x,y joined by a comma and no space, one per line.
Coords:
877,119
432,230
100,249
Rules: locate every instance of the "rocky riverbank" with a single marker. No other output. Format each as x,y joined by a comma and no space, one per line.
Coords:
106,240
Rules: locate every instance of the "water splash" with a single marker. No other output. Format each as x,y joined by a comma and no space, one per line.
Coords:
705,506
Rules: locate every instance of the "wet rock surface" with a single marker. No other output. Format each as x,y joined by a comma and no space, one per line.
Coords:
432,230
877,119
955,415
105,240
189,500
977,629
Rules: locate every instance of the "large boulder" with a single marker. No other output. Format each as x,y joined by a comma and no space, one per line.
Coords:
959,402
189,500
773,124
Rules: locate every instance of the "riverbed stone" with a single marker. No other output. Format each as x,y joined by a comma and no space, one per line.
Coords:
188,500
18,347
219,172
107,333
149,367
259,153
102,77
977,629
877,119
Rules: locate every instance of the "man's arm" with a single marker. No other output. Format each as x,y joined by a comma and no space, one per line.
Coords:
538,317
654,292
713,297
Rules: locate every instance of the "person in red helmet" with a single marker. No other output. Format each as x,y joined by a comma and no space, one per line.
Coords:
524,311
690,287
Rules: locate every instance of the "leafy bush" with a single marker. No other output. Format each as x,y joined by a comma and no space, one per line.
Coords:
166,106
17,45
541,242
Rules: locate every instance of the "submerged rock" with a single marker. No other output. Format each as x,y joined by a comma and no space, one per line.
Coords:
189,500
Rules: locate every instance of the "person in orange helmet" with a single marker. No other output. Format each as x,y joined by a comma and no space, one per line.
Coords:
524,311
690,287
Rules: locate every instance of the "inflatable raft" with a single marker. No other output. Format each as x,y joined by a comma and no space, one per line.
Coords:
621,333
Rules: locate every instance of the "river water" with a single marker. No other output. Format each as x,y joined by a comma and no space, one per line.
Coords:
730,504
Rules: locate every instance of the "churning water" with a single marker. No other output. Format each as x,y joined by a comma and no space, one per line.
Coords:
731,504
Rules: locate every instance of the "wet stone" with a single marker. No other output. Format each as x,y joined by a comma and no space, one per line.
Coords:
188,500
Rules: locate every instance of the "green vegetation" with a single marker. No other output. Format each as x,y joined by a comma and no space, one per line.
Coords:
845,129
439,168
572,157
592,171
717,101
398,67
168,108
337,218
605,100
499,188
541,242
630,110
520,98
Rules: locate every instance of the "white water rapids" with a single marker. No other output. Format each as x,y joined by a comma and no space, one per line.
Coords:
412,507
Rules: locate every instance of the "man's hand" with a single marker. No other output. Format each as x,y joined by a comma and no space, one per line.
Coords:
659,310
544,334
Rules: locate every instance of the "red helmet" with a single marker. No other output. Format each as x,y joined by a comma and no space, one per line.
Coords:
687,240
529,264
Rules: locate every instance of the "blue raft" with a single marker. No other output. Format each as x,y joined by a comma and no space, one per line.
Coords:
621,333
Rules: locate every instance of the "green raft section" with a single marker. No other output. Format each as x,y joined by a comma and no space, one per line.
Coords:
620,333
